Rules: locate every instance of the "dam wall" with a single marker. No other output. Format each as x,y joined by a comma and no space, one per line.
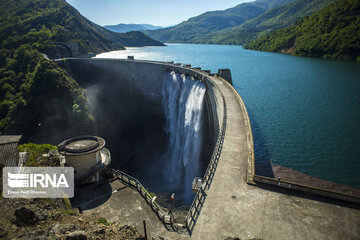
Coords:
145,78
140,76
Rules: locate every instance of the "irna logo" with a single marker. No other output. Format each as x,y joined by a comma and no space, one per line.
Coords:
18,180
38,182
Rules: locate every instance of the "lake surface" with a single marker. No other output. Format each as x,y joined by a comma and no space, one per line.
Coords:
304,112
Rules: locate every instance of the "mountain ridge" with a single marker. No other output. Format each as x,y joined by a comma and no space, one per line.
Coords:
123,28
275,18
214,21
57,21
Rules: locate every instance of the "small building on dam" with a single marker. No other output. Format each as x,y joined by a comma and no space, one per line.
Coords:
87,155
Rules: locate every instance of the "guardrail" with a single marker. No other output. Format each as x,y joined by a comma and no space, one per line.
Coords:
210,171
151,200
195,209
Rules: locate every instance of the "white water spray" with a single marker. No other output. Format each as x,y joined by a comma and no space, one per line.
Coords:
182,101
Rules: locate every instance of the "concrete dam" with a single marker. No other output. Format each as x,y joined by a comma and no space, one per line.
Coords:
161,121
134,105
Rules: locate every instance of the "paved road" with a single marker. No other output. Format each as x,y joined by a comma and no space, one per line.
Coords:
235,209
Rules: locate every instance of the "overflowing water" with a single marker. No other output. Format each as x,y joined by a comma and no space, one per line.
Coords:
182,102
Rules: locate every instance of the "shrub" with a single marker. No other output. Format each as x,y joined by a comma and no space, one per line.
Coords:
35,154
103,220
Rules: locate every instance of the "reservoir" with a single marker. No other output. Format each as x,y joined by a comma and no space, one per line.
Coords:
304,112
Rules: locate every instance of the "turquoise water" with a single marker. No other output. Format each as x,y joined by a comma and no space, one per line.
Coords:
304,112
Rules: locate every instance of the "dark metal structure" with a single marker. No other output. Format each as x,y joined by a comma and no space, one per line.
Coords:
9,154
81,145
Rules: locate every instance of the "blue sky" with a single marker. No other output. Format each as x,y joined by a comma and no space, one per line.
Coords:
156,12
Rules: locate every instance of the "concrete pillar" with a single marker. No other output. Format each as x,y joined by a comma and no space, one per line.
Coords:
225,74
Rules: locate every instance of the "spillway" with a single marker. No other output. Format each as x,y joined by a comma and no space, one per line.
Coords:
182,103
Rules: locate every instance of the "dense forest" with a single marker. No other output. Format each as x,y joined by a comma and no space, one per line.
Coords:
36,93
332,32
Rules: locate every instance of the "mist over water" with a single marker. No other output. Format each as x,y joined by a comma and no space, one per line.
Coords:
182,103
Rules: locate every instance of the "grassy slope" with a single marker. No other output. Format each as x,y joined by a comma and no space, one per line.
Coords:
331,32
213,21
278,17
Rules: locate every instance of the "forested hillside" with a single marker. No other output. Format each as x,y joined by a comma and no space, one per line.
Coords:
45,23
210,22
332,32
278,17
36,93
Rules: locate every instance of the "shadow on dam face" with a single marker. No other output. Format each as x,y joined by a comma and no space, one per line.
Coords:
153,122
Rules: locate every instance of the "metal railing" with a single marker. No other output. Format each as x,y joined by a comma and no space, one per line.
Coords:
210,171
9,154
151,200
